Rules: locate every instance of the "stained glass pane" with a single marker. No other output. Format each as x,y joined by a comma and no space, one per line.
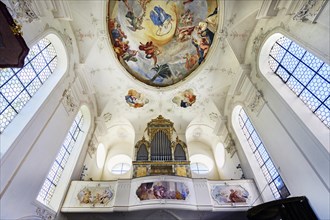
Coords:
199,168
273,64
11,89
295,85
267,167
283,74
18,85
277,52
58,166
310,100
38,63
310,79
20,101
289,62
303,74
5,75
324,114
249,126
284,42
325,72
121,168
255,138
319,87
297,50
312,61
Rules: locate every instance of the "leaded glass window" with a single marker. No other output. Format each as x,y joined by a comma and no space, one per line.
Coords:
121,168
58,166
199,168
305,74
18,85
266,164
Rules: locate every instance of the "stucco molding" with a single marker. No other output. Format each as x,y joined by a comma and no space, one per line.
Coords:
309,11
69,101
45,214
24,10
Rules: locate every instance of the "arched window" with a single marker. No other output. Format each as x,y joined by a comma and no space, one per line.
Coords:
120,168
269,170
54,175
18,85
199,168
305,74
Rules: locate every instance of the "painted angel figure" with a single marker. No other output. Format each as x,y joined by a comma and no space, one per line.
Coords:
161,19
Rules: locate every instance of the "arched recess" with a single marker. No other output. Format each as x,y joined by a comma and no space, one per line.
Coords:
307,120
25,117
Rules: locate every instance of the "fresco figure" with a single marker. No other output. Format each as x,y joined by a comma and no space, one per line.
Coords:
161,19
224,194
184,33
162,190
135,21
95,196
185,99
191,60
186,18
121,46
161,42
135,99
202,46
150,50
236,196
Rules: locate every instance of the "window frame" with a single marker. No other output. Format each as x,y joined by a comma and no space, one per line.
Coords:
262,157
278,64
29,79
301,115
54,175
38,104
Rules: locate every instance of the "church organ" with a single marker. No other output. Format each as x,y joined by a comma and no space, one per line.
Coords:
161,152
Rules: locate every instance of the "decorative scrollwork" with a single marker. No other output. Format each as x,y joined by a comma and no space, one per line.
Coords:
68,101
310,9
16,28
45,214
23,11
256,102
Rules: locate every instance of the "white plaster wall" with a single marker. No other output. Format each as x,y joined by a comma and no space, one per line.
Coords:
196,148
302,159
123,148
27,179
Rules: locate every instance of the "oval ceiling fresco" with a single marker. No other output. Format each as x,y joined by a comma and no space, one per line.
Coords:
161,42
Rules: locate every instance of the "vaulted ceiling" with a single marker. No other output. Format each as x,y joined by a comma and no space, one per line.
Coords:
211,82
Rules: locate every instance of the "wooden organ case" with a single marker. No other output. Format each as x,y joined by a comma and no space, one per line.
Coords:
161,153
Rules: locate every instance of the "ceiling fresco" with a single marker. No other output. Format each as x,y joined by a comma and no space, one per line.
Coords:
135,99
161,42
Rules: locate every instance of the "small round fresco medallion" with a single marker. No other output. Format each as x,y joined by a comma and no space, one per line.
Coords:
161,42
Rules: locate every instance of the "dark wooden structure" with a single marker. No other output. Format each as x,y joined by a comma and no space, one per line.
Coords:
13,48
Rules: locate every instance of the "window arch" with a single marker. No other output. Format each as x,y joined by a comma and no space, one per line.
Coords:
18,85
23,93
269,171
305,74
54,175
56,182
